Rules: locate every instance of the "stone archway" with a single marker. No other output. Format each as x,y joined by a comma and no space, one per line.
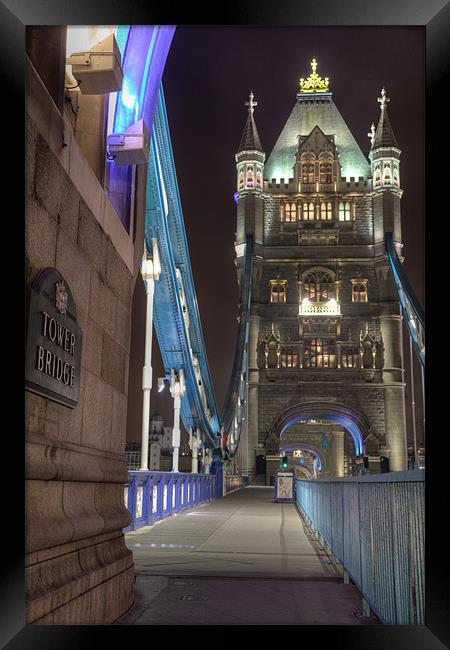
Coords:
305,446
352,420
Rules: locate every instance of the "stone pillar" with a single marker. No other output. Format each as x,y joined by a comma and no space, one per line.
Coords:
194,438
206,460
337,451
149,275
253,387
391,330
395,426
177,390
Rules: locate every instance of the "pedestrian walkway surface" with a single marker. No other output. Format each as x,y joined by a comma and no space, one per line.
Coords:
242,559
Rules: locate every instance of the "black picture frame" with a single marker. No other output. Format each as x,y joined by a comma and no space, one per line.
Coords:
434,16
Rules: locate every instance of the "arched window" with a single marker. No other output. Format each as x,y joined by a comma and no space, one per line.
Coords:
309,210
258,177
377,175
396,175
289,358
291,212
249,181
359,290
350,357
319,353
325,210
241,179
326,174
344,211
308,172
387,173
318,286
278,290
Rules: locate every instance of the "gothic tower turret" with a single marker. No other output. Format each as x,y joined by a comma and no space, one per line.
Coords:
325,341
385,167
250,170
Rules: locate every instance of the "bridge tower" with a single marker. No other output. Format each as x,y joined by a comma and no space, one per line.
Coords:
325,329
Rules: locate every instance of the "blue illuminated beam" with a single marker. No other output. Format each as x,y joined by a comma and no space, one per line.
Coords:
412,311
144,50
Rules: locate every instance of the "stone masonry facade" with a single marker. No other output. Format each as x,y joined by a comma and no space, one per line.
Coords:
78,568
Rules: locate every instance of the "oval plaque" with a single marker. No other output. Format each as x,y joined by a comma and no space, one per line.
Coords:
54,339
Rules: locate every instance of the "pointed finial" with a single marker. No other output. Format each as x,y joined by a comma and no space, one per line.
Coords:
384,99
314,83
251,103
371,135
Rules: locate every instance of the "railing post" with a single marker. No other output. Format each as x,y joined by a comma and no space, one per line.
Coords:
217,471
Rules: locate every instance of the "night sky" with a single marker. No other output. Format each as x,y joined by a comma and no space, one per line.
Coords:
208,76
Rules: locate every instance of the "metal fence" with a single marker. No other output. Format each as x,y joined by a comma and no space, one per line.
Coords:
151,496
233,482
133,459
374,525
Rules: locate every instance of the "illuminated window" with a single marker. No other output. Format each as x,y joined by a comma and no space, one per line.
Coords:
308,173
278,290
290,212
249,181
349,357
396,174
319,353
359,290
289,359
377,175
309,211
326,173
318,286
344,211
387,173
241,179
326,210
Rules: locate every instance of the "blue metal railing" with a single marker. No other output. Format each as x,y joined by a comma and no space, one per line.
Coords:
374,526
152,496
413,312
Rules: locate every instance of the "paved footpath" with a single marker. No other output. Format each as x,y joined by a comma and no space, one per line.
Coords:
238,560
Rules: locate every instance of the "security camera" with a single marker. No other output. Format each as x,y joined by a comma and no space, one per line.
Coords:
98,70
131,146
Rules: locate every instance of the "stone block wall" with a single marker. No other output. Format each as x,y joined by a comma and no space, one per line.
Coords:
78,568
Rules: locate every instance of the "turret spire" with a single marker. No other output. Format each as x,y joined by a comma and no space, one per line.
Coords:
250,138
384,135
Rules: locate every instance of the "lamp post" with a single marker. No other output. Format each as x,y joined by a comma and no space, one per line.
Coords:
177,390
150,271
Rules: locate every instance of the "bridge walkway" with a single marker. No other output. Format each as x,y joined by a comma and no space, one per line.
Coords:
238,560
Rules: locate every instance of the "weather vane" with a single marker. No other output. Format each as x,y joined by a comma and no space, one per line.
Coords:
251,103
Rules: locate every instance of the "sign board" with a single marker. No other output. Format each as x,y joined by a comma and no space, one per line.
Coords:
54,339
284,486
